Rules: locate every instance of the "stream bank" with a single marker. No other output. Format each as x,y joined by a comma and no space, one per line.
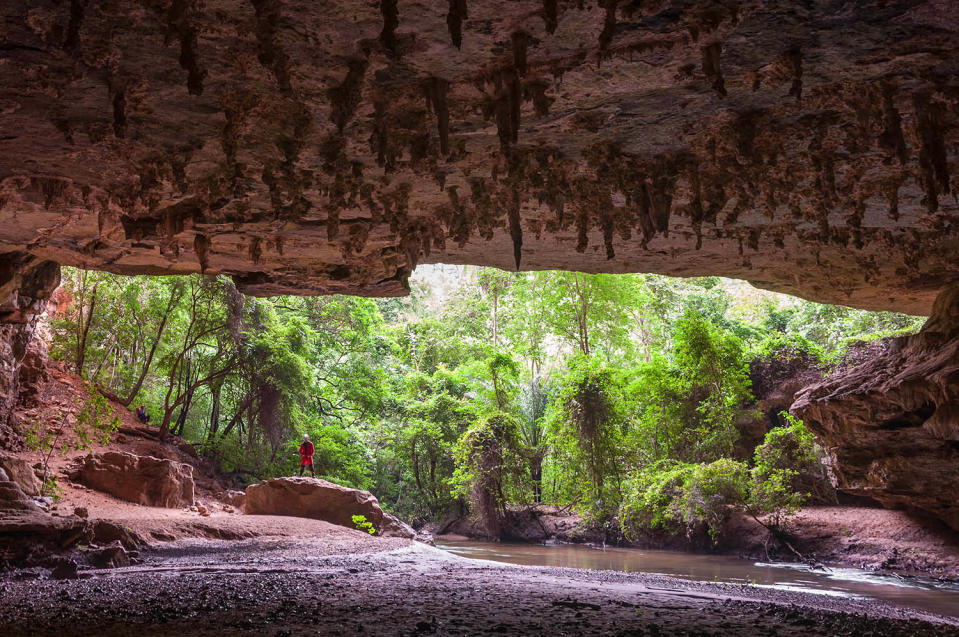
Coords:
286,587
872,539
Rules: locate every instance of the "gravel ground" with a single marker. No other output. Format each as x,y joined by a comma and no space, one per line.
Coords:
295,586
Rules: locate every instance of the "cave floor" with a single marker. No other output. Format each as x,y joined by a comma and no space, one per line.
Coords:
290,587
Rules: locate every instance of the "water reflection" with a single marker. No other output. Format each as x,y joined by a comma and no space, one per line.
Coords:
914,592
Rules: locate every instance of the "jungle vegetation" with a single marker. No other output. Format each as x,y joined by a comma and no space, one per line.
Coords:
622,397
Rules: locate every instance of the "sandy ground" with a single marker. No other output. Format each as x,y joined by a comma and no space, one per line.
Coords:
297,587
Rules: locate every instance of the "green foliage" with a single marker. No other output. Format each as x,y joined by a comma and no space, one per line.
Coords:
488,466
616,394
51,488
97,421
683,498
586,432
788,471
362,524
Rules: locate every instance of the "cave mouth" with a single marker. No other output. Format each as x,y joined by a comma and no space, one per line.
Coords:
487,404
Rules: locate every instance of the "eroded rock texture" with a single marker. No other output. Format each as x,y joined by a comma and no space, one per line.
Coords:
891,424
313,498
25,284
154,482
306,147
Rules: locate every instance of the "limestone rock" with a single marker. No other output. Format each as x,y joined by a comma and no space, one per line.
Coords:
234,498
112,556
392,526
312,498
314,148
67,569
20,471
891,423
142,479
12,497
25,284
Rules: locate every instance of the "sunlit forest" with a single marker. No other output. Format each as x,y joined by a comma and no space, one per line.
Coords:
625,398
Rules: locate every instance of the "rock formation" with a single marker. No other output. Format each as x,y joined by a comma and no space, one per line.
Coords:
20,471
25,284
312,498
142,479
12,498
316,148
891,424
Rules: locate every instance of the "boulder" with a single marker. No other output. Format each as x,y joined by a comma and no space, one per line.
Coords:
112,556
394,527
234,498
891,423
66,569
142,479
20,471
12,497
312,498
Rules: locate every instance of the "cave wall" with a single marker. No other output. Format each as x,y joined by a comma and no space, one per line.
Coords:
891,424
26,283
309,148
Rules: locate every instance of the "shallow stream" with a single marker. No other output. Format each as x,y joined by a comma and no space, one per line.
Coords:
913,592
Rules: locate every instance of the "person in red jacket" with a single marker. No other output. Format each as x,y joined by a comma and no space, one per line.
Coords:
306,455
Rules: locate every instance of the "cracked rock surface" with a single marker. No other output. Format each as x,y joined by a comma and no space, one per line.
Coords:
891,424
314,148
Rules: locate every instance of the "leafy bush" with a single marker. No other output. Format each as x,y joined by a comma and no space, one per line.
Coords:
788,471
679,497
362,524
585,424
488,460
684,498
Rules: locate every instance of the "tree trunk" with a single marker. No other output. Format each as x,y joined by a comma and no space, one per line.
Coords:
174,298
82,342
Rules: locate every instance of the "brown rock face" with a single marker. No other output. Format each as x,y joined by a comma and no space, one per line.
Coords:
142,479
12,498
313,148
20,471
25,284
312,498
891,424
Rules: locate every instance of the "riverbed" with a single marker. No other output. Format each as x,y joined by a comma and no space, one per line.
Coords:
303,586
916,592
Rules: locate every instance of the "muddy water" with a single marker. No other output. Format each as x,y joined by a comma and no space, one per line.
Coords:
912,592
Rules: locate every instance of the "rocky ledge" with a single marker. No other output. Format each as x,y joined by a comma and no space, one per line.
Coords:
891,424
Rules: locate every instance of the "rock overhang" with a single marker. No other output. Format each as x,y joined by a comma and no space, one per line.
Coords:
312,149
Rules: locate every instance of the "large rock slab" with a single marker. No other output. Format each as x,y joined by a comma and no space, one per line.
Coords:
330,147
142,479
312,498
891,423
20,471
12,497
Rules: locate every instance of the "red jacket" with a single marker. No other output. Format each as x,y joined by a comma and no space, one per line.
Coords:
306,450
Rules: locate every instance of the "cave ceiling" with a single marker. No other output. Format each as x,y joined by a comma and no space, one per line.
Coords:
315,147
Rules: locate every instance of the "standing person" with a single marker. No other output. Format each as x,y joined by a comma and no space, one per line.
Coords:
142,414
306,455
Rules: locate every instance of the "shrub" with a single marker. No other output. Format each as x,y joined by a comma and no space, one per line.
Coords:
684,498
362,524
487,460
788,471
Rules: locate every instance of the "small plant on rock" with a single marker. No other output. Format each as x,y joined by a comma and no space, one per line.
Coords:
362,524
